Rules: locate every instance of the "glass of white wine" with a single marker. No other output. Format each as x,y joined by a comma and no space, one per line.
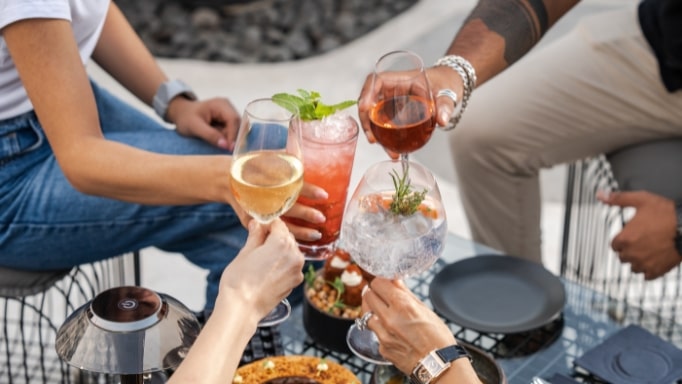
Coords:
267,170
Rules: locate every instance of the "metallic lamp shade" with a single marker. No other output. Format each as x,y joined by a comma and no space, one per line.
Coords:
127,331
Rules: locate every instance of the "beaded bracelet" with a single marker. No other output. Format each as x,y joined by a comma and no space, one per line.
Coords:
468,74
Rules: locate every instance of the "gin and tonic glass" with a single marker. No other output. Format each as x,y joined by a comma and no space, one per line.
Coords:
389,244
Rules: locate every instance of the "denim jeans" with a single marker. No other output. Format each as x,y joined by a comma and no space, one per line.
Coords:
46,224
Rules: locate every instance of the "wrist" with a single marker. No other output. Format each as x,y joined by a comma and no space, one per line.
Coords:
167,93
436,363
467,74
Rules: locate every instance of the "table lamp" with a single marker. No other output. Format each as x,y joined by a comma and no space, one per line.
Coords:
127,331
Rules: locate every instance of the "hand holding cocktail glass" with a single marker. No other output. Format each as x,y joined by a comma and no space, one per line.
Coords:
394,227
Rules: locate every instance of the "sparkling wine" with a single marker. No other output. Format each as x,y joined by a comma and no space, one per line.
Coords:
266,184
403,124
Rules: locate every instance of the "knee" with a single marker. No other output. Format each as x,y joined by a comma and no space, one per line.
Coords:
471,147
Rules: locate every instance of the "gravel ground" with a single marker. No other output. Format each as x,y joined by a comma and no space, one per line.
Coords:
257,30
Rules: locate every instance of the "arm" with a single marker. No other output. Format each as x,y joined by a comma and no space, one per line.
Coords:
244,298
408,330
647,241
122,54
494,36
64,102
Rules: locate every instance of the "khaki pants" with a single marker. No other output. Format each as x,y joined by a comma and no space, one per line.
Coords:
592,91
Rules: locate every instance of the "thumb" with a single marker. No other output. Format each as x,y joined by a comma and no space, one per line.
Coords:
446,104
624,199
257,235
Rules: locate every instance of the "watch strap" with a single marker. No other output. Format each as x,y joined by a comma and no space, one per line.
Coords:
167,92
452,353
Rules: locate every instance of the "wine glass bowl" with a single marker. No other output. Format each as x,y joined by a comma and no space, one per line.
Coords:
402,117
391,245
267,166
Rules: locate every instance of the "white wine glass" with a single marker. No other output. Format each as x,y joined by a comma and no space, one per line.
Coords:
403,115
267,170
387,240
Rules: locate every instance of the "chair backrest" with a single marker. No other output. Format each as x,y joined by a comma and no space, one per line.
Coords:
589,227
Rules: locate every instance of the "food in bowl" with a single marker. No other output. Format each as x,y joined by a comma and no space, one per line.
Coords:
294,369
337,288
332,299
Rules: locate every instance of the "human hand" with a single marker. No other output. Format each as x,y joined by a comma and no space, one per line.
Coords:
215,120
407,329
267,268
301,212
439,78
647,241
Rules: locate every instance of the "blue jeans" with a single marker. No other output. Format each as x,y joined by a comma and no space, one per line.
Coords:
46,224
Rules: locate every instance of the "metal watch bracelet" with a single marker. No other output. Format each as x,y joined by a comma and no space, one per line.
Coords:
468,74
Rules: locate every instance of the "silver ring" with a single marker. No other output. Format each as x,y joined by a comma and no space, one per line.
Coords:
448,93
361,323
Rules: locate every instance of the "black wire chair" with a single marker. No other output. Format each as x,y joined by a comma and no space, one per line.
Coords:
33,305
589,227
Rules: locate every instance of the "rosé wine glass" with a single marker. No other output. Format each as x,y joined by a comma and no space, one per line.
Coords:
402,117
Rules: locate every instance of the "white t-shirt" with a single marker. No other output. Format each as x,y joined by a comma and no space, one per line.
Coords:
87,20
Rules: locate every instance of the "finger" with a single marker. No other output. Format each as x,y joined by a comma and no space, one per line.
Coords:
624,199
446,102
257,234
314,192
304,233
210,134
365,103
305,213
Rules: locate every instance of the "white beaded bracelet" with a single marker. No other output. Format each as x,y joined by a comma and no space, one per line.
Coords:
468,74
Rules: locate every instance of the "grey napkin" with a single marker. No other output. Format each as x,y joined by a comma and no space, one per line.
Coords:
634,355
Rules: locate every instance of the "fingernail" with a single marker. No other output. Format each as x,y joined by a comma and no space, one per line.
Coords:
319,217
364,290
222,143
314,236
444,116
321,194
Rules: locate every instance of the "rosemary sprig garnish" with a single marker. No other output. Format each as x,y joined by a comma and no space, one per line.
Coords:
405,201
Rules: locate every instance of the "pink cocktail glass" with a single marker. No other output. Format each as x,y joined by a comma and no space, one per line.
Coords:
328,147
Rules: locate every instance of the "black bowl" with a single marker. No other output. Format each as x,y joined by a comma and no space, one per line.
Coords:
326,329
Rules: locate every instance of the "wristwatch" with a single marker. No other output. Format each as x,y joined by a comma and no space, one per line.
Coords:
167,92
678,234
436,362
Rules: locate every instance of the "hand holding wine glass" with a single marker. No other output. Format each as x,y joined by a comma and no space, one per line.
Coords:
394,227
398,107
267,170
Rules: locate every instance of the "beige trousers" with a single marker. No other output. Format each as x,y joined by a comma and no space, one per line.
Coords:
591,91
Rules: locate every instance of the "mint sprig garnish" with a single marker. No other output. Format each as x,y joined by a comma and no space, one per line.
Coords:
308,104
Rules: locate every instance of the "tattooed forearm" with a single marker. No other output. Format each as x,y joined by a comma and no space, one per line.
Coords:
521,23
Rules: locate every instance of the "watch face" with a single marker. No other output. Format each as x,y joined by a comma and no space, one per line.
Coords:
432,365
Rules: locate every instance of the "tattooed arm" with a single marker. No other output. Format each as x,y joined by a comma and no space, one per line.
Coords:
499,32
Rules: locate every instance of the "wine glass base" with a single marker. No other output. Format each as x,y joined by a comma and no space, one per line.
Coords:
365,345
278,314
